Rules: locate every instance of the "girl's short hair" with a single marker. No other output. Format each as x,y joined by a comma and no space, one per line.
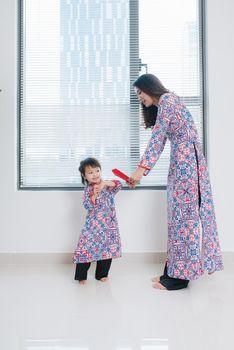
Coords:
92,162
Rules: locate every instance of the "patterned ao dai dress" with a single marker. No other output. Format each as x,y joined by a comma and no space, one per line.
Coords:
189,196
99,239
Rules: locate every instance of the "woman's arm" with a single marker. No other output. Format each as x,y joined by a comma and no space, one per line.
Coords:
136,177
155,145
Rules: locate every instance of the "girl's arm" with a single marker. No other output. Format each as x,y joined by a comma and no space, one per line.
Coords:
109,183
114,185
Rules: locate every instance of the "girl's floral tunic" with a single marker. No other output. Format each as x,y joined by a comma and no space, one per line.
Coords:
189,197
99,239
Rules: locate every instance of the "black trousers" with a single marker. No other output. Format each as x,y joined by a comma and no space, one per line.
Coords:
102,269
172,283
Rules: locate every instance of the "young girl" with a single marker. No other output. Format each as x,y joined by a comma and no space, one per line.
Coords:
99,240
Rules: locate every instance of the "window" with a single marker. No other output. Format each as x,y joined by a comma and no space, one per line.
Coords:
78,60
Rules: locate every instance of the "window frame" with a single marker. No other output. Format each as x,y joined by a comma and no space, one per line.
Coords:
134,55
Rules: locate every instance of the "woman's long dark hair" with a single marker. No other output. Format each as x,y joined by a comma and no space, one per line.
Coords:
153,87
92,162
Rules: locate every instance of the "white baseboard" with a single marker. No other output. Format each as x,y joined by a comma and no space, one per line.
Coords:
14,258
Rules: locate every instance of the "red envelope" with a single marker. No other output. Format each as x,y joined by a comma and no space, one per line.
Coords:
119,173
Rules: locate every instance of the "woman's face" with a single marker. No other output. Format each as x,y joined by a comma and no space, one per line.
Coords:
93,175
144,98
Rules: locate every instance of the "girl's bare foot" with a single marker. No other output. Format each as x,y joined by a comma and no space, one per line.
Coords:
82,282
155,279
104,279
158,285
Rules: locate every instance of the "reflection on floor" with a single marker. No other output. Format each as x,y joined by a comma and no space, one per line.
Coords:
85,344
43,308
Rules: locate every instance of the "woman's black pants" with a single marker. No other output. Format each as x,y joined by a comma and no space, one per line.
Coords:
102,269
172,283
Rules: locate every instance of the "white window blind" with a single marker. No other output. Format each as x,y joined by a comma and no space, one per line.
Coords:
78,60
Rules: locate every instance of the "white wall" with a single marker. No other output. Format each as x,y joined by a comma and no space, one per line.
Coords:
34,221
220,58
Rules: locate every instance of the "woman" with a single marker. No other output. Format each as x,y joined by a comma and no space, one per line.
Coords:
189,197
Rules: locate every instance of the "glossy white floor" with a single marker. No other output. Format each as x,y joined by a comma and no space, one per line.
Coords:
43,308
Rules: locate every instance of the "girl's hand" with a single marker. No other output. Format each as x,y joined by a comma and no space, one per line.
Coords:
98,188
135,178
95,190
101,186
109,183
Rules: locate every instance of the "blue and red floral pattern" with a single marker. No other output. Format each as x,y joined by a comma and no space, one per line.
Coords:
190,204
99,239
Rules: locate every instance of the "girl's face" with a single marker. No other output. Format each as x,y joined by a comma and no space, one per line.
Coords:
144,98
93,175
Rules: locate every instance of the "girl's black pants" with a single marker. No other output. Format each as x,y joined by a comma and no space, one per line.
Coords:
102,269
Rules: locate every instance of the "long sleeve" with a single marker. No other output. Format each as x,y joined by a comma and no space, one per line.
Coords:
117,187
158,138
87,198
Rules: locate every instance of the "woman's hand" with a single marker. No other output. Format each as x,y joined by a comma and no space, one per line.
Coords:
135,177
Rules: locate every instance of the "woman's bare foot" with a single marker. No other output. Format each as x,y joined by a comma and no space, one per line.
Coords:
158,285
155,279
82,282
104,279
